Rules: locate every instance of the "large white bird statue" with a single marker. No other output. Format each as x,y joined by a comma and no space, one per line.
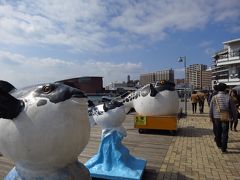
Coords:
153,101
43,129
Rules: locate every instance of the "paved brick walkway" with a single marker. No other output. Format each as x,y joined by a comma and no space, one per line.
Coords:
194,155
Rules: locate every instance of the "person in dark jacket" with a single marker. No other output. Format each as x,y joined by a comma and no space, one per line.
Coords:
236,100
215,91
201,99
222,102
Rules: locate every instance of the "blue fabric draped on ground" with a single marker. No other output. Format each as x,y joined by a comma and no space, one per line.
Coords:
114,161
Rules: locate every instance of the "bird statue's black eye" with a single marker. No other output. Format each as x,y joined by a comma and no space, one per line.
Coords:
47,89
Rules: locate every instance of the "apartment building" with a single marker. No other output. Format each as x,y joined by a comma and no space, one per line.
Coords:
147,78
194,75
157,76
226,64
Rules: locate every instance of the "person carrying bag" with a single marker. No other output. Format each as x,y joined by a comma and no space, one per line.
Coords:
222,109
224,115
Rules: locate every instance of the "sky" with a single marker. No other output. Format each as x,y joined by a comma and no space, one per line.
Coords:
51,40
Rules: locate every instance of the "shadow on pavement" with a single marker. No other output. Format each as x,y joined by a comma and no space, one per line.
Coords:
234,140
233,152
153,174
157,132
191,131
234,148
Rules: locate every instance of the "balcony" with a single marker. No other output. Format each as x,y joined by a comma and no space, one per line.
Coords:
229,82
227,58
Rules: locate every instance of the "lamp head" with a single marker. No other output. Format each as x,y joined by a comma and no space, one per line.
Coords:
180,59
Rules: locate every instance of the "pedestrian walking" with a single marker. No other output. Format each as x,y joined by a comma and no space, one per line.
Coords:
236,100
221,109
201,99
215,91
194,100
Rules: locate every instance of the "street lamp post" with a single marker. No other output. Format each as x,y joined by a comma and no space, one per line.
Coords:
184,59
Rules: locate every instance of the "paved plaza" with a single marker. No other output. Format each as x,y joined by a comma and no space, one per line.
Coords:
194,155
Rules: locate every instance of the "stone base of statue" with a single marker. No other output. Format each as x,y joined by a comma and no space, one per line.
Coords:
113,160
73,171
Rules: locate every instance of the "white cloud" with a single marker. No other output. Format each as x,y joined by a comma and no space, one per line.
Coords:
227,10
106,25
205,44
155,18
22,71
95,26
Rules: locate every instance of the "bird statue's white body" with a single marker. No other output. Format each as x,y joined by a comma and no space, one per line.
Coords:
109,120
48,134
151,101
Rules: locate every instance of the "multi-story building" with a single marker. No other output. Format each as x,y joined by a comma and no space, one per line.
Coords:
194,75
157,76
206,83
226,64
147,78
164,75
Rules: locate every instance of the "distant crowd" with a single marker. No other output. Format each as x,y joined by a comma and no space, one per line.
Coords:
223,112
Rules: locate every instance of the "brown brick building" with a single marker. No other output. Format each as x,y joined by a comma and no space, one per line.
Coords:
206,80
88,84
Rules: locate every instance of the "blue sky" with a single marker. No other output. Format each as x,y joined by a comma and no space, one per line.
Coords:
45,41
